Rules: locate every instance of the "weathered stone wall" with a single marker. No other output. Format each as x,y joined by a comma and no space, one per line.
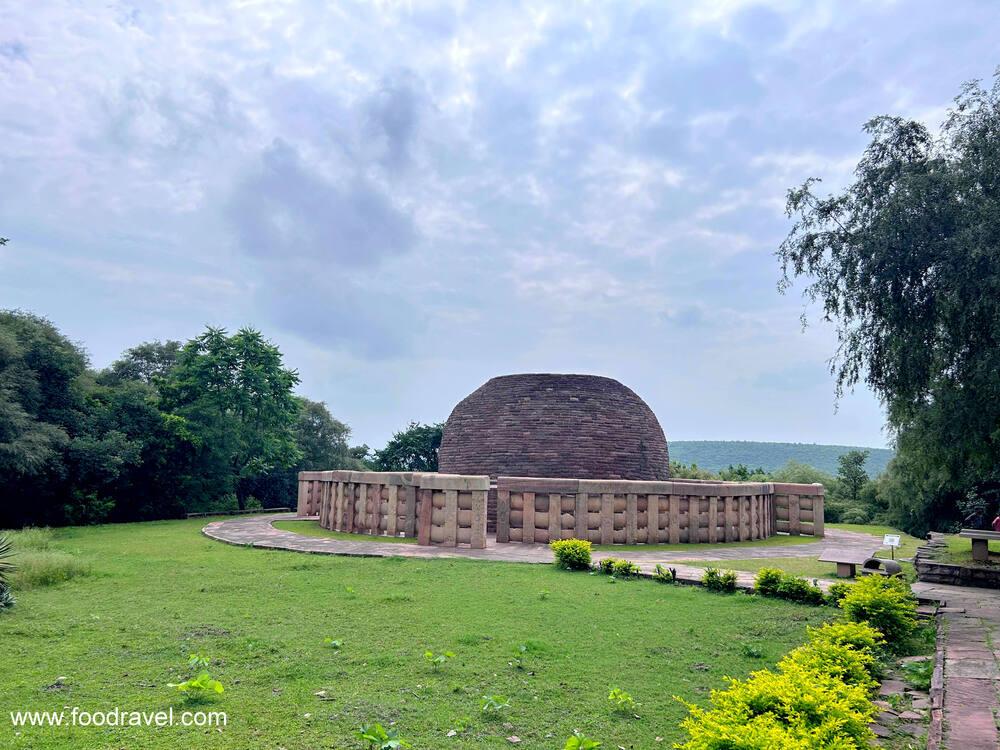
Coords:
437,509
537,510
449,510
545,425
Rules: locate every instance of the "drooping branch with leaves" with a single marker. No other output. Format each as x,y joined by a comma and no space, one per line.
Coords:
905,261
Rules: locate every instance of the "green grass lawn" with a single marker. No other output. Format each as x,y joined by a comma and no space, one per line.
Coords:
154,593
810,567
312,528
959,551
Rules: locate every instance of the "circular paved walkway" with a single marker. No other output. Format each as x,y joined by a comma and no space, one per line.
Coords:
257,531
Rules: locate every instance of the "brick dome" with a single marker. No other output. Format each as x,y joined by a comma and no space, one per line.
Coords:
534,425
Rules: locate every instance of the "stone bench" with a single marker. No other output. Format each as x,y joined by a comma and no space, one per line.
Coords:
847,558
980,542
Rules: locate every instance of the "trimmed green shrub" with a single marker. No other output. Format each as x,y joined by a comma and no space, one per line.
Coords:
858,635
719,580
844,662
884,603
571,554
797,708
776,582
798,589
837,592
767,581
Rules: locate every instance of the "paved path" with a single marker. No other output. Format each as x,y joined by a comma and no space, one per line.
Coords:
257,531
967,697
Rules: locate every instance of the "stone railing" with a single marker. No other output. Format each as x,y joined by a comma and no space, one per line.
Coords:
798,508
534,510
451,509
439,509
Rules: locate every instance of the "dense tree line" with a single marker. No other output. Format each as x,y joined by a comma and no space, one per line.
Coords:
906,262
851,495
213,424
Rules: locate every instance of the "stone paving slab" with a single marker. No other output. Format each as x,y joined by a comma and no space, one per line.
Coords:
967,651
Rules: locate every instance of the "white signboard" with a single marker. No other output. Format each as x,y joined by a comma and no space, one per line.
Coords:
891,540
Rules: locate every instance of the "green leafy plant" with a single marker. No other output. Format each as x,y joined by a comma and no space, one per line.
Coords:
621,702
836,592
572,554
198,661
884,603
520,654
919,674
617,568
844,662
438,660
6,569
580,741
777,583
767,581
333,643
798,589
719,580
857,635
377,737
664,575
492,705
794,708
199,687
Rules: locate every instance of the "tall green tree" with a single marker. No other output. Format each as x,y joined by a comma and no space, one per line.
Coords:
233,399
906,262
413,449
852,475
145,362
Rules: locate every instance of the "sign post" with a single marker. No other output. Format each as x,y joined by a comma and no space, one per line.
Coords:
891,541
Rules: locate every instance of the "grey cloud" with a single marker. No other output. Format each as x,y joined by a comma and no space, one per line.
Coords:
14,50
284,209
393,116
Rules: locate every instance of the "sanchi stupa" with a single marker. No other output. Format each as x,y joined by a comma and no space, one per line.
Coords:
531,458
547,425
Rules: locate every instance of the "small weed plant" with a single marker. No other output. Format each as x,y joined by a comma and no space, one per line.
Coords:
493,705
377,737
198,661
572,554
919,673
438,660
621,702
617,568
664,575
580,741
198,688
333,643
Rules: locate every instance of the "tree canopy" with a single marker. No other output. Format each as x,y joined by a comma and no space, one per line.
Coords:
906,262
168,428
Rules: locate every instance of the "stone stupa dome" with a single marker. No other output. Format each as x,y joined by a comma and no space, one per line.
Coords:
547,425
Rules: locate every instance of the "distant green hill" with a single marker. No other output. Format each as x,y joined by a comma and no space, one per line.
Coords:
718,454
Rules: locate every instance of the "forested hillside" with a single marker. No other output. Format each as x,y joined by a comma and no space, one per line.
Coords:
718,454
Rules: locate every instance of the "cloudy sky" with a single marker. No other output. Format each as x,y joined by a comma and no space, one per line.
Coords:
410,198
